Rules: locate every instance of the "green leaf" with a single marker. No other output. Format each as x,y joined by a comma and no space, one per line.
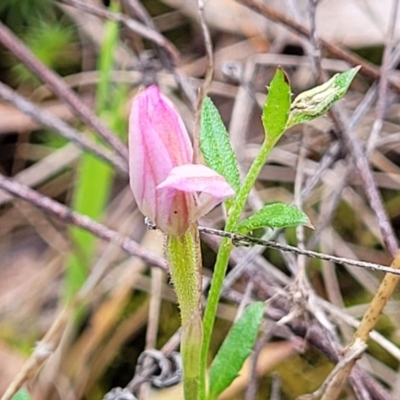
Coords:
276,215
235,349
216,146
276,109
315,102
22,394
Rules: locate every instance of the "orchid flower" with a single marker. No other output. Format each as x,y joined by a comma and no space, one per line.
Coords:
168,187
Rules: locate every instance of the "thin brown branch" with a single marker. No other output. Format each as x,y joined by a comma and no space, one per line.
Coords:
361,162
169,55
314,40
370,318
383,82
135,7
131,24
47,119
69,216
43,350
333,386
315,334
61,89
276,16
354,354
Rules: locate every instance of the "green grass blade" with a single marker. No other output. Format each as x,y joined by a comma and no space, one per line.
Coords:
94,178
22,394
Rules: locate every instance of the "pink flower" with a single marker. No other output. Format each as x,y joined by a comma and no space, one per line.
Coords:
168,188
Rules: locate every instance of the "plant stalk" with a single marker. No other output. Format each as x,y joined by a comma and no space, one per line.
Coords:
184,256
223,256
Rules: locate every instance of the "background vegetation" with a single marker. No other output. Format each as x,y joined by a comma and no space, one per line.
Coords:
96,300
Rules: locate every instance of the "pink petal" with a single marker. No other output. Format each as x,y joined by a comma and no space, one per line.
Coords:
158,141
195,178
165,120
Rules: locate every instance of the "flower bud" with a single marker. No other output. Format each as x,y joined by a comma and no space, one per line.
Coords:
168,188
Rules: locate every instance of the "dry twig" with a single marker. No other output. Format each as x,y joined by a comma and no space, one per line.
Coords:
19,50
69,216
47,119
276,16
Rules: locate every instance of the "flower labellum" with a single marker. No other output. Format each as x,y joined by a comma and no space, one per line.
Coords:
168,188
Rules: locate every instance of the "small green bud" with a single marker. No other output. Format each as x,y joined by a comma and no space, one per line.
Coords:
317,101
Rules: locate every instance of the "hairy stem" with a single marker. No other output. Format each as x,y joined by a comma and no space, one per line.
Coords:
183,253
224,254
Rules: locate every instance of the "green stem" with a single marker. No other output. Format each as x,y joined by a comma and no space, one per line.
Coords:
184,258
224,255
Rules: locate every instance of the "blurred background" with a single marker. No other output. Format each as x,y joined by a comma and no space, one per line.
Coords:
89,307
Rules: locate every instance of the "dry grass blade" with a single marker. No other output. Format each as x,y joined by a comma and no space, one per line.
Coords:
41,353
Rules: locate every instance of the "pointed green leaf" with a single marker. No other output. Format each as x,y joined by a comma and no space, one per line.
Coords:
235,349
216,146
277,106
315,102
276,215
